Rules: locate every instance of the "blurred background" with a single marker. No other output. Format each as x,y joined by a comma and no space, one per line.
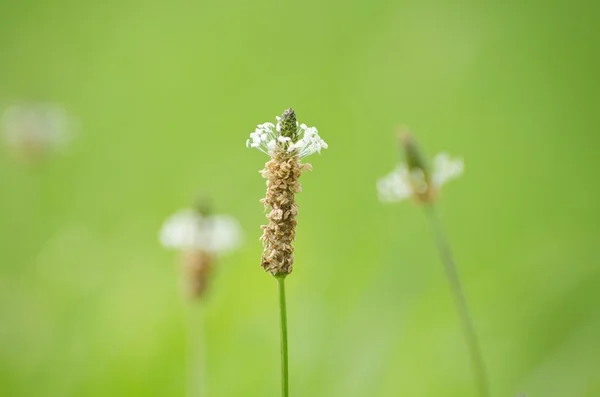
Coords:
165,95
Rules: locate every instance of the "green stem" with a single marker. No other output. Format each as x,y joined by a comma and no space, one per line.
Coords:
196,365
447,258
284,338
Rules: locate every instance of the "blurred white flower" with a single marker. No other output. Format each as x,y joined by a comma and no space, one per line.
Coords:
395,186
188,230
37,128
267,137
401,184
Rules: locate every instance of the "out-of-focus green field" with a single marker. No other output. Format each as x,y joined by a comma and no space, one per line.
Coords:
167,93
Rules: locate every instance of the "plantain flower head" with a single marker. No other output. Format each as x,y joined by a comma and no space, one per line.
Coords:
293,138
414,178
189,230
37,129
286,143
200,238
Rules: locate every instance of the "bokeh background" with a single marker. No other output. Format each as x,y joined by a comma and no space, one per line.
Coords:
166,94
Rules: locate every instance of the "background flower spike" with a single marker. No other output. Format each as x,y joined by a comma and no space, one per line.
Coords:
415,178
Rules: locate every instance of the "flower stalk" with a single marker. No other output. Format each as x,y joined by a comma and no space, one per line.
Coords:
470,334
417,180
286,143
200,237
197,378
284,337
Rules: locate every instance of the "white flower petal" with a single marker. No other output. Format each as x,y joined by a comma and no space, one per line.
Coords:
395,186
445,169
45,125
182,231
267,140
225,234
188,230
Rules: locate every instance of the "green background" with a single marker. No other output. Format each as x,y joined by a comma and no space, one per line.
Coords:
166,94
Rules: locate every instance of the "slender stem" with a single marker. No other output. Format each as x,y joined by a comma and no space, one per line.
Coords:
284,338
470,334
196,366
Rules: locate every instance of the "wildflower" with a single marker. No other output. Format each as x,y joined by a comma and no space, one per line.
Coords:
414,178
301,140
34,130
200,238
286,142
188,229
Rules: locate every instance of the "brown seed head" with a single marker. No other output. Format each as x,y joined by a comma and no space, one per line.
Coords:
282,173
196,269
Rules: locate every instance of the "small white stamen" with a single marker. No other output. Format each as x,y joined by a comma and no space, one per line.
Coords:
401,184
187,229
46,126
267,138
